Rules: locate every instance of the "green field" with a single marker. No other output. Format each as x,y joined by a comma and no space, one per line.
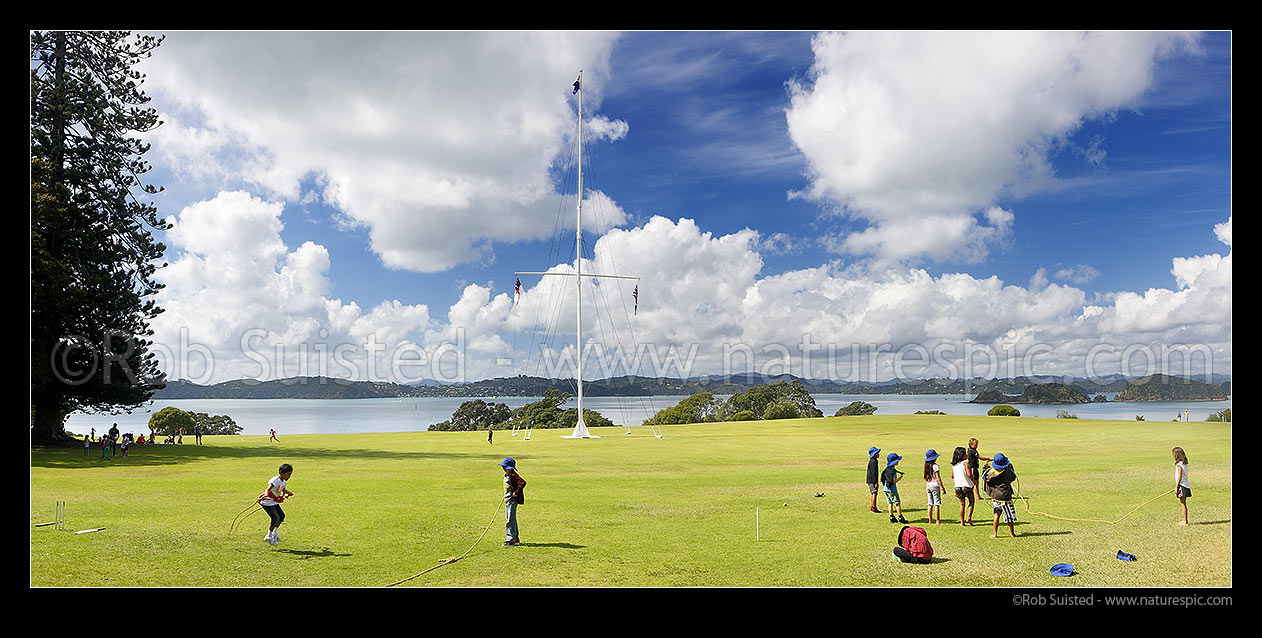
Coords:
633,510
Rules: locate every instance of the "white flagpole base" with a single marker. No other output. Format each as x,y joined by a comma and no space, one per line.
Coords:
580,432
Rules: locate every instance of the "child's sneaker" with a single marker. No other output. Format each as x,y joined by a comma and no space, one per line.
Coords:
892,519
874,510
268,539
902,520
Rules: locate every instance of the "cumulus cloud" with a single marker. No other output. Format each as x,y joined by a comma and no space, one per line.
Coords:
248,306
920,134
1077,274
439,161
705,296
705,307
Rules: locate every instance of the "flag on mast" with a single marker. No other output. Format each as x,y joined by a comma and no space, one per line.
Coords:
576,85
517,292
635,294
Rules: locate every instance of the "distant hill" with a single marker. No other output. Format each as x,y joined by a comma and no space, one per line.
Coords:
1160,387
987,390
992,395
1052,394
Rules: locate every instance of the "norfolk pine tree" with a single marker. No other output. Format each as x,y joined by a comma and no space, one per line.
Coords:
92,253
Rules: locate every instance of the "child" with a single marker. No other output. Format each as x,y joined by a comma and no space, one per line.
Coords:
889,479
1181,487
274,436
998,481
933,487
973,457
271,500
514,495
963,485
87,443
874,476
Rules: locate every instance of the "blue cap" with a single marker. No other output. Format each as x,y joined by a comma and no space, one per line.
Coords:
892,459
1062,569
930,455
1000,462
508,462
873,451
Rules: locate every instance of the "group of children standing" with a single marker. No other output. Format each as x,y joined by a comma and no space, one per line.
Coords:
969,480
966,476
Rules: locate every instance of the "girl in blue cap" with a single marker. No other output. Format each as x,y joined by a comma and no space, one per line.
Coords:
514,495
874,476
998,482
889,479
933,487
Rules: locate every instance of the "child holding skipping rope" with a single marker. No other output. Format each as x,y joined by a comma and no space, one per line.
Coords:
998,480
514,495
271,500
1182,489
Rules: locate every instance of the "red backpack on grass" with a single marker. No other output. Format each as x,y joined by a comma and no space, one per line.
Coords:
915,545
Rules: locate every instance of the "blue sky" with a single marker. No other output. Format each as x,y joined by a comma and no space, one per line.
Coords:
863,188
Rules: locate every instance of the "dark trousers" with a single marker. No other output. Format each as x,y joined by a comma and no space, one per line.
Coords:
277,514
906,556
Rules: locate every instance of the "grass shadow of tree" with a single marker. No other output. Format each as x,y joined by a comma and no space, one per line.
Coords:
68,457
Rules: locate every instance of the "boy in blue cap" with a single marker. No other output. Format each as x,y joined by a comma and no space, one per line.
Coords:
874,476
514,495
889,479
998,479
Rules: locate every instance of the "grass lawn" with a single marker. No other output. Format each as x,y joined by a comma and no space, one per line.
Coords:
372,509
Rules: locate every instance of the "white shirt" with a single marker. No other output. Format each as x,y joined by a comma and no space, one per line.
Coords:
932,484
1183,478
959,473
274,486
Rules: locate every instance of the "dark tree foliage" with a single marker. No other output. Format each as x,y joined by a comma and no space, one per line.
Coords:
697,408
758,398
217,424
475,415
857,408
92,253
171,420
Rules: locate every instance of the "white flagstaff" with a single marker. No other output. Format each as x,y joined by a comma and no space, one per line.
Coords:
580,429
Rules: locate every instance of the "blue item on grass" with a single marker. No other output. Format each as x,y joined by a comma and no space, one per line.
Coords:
1062,569
1121,555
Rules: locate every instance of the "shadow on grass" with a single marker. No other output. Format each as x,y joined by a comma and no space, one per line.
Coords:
324,552
1060,533
1212,522
561,545
157,454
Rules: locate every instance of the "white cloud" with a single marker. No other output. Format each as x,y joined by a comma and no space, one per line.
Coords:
704,295
232,277
920,133
1078,274
437,160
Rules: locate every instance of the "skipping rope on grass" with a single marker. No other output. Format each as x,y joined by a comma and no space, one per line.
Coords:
1086,520
448,561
